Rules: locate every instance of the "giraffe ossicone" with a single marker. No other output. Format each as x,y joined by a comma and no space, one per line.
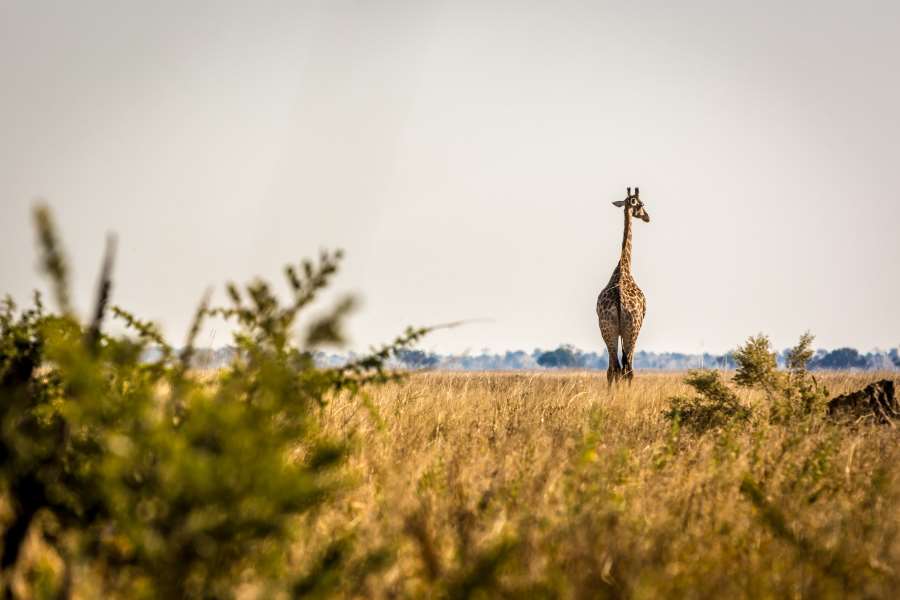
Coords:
621,305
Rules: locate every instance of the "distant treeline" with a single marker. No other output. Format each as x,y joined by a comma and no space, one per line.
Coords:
569,357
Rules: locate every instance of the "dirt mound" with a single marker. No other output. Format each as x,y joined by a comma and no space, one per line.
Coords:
876,399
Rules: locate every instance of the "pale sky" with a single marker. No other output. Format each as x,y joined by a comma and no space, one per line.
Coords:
465,155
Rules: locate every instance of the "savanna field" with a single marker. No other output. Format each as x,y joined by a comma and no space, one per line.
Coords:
128,472
549,485
449,300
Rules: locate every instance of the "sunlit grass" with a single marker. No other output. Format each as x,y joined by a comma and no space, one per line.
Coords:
596,494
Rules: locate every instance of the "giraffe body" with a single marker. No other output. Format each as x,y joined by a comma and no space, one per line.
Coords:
621,308
621,305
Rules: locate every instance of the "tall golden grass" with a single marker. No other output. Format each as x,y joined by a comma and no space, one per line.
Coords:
551,485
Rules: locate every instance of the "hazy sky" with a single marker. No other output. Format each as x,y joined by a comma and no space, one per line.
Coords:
465,155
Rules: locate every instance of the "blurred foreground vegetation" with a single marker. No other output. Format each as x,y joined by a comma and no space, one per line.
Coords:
141,479
272,478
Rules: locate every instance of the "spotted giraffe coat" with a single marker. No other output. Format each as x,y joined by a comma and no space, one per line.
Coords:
621,308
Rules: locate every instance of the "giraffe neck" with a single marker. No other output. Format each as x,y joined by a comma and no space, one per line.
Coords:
625,259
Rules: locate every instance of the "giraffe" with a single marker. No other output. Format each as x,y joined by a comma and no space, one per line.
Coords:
621,306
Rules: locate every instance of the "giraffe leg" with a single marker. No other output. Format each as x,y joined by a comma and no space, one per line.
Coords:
608,316
613,371
611,338
627,367
629,341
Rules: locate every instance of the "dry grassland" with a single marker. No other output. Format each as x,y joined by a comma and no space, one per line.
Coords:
548,485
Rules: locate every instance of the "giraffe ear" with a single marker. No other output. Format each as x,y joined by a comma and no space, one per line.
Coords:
619,203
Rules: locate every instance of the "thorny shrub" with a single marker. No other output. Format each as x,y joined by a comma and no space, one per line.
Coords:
790,394
149,482
715,405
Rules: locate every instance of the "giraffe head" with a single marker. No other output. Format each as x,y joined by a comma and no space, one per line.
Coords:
633,203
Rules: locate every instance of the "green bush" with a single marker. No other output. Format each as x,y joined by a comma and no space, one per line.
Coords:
715,405
149,480
790,394
756,366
